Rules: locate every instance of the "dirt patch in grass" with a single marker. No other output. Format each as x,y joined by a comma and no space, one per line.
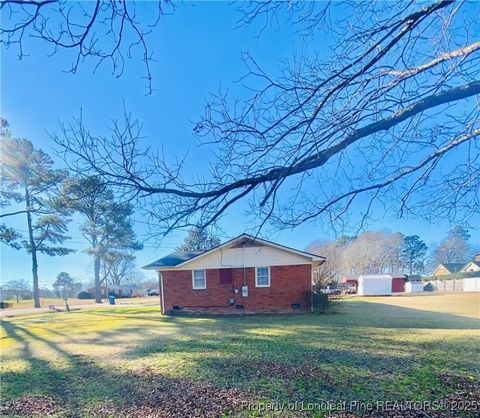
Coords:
31,406
176,398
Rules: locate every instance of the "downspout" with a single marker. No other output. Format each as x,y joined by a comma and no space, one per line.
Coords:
162,298
243,263
311,284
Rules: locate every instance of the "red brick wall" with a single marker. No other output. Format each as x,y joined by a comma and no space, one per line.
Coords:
288,285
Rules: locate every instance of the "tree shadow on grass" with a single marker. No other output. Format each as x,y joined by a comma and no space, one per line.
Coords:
359,354
81,387
295,357
72,379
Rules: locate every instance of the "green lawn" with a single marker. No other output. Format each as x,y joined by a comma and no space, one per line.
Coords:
60,303
131,361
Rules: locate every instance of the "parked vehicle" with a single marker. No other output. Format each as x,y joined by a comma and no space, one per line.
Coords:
331,290
153,292
348,289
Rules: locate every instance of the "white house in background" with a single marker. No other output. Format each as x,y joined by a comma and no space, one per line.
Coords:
472,266
374,285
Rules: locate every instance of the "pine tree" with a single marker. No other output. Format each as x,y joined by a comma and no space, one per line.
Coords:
107,222
199,240
28,184
413,252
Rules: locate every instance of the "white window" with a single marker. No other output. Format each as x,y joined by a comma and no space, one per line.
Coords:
199,280
262,277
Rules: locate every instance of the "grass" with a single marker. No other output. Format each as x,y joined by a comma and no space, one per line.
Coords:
110,361
60,303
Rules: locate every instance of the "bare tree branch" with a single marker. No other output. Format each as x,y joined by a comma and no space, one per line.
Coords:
372,124
101,30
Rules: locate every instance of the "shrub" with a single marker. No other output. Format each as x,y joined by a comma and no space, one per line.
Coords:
453,276
323,302
84,295
428,287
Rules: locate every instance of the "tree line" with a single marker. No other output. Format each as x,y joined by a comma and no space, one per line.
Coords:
377,252
47,197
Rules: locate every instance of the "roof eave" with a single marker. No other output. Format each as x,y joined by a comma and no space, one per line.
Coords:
313,257
149,267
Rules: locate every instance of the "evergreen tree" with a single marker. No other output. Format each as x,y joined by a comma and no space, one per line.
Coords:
413,252
107,226
28,184
199,240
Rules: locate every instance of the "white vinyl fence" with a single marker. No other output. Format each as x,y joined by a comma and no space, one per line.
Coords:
471,284
448,285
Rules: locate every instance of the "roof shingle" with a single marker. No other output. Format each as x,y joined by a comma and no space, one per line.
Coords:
454,267
173,259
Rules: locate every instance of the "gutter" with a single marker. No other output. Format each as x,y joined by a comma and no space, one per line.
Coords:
162,297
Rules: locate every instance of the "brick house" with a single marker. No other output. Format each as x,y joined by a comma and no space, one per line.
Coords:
243,275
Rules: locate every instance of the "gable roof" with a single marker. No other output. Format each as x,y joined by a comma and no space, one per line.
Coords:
451,267
477,263
180,258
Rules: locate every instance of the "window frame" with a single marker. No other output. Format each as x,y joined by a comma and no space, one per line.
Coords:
269,277
204,279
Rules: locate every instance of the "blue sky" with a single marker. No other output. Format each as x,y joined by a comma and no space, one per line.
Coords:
197,50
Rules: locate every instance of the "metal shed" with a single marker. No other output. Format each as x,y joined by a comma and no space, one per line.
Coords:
374,285
414,287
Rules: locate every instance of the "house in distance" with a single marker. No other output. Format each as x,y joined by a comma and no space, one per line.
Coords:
473,266
448,268
244,275
465,267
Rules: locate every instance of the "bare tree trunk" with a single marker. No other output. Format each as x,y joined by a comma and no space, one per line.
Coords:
96,266
33,248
